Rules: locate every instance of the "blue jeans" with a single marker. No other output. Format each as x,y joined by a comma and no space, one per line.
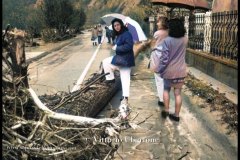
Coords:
109,39
99,39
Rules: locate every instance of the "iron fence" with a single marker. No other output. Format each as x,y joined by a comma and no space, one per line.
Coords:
215,33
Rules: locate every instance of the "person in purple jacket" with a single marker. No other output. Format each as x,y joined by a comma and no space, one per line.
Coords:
172,67
123,60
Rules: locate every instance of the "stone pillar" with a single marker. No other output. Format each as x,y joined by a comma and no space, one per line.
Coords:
186,24
152,25
199,21
199,30
207,32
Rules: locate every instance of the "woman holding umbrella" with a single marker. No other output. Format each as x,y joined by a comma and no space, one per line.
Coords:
123,60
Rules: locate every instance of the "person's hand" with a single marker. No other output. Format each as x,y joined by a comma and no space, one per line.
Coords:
152,43
114,47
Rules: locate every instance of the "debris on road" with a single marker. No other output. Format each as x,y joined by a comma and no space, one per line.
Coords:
214,100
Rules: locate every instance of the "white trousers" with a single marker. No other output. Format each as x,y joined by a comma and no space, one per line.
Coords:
125,73
159,84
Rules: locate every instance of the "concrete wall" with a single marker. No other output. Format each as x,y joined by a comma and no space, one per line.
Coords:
224,71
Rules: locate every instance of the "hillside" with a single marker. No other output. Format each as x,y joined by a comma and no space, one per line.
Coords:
15,12
18,12
98,8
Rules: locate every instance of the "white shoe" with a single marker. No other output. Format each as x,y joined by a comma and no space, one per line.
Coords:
124,110
124,101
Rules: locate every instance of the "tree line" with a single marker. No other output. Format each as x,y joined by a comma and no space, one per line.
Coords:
52,20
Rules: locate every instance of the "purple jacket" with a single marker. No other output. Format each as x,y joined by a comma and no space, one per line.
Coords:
172,62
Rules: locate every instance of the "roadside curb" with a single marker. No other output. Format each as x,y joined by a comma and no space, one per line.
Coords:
30,60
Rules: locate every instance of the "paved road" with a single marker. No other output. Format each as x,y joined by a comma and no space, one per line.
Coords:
60,70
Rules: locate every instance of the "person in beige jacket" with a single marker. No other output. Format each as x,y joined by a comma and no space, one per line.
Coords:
99,33
94,36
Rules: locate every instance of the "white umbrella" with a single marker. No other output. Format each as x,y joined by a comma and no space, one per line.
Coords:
110,27
133,27
109,17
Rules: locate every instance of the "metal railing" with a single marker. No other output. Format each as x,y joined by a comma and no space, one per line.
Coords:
196,31
215,33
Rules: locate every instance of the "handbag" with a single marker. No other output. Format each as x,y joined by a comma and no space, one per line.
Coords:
120,60
93,38
155,59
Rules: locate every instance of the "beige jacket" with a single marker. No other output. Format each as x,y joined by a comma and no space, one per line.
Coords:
94,32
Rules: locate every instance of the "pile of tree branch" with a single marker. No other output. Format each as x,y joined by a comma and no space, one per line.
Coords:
57,126
36,131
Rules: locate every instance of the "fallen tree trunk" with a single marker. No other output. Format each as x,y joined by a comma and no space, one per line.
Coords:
142,46
88,101
61,116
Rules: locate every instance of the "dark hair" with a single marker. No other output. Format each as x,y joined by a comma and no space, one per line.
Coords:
123,28
176,28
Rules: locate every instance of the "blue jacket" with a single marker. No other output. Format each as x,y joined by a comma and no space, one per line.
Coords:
124,50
